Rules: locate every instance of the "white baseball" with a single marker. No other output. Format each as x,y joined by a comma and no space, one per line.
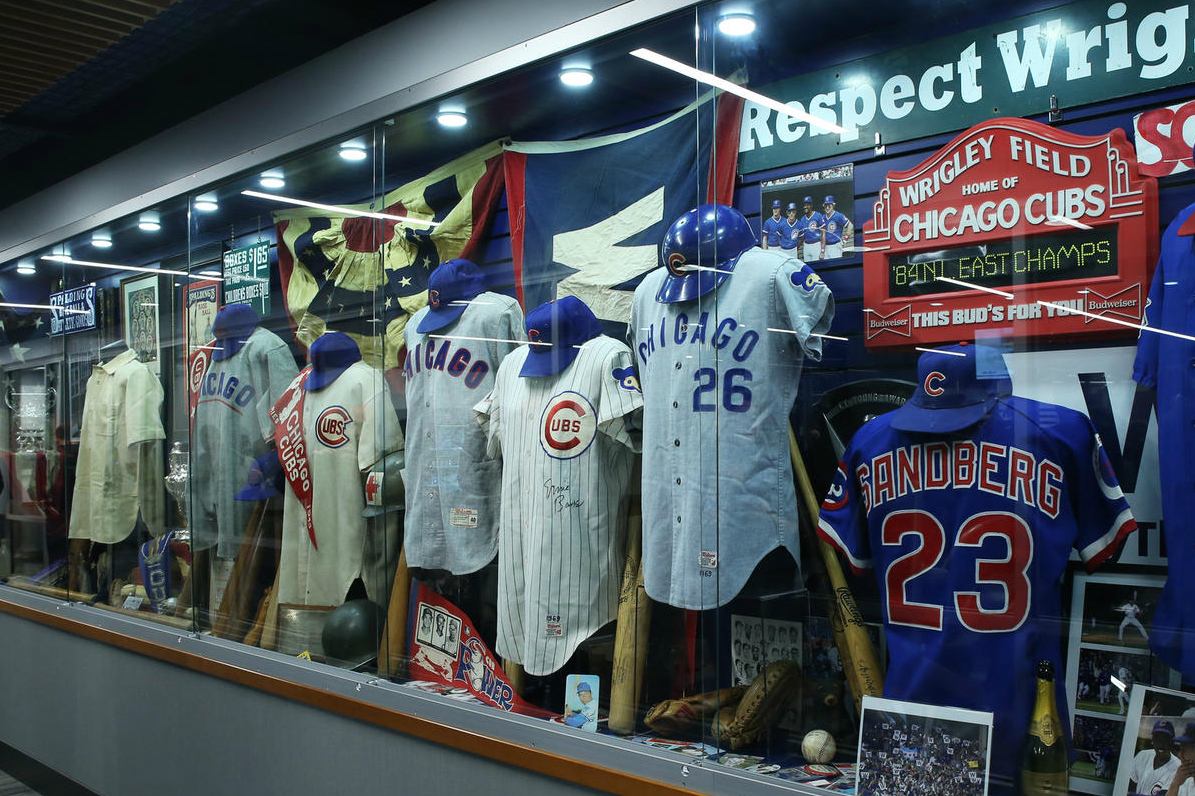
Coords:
818,746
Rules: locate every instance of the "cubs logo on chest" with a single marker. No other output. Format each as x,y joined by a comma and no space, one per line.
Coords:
332,426
568,425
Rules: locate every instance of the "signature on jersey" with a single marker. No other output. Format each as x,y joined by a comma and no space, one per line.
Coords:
559,496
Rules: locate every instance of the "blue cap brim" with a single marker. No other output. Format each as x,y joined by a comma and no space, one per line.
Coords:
945,420
321,378
257,492
223,349
548,361
437,319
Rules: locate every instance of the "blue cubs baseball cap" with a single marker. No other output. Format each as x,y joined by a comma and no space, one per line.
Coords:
449,289
264,479
583,686
775,203
232,327
331,354
791,206
554,330
829,200
807,200
957,386
1164,726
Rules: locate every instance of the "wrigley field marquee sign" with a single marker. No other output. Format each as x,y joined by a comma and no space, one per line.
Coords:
1014,229
1079,52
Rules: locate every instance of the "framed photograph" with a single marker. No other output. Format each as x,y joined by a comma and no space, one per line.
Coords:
140,308
905,747
811,214
1109,655
1150,750
756,642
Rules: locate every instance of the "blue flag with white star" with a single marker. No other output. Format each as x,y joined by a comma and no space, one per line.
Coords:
366,276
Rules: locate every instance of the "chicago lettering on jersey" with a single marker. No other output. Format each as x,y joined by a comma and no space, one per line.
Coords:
441,355
1002,470
726,334
229,389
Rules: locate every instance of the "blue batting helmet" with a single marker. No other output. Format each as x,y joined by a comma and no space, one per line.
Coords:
700,250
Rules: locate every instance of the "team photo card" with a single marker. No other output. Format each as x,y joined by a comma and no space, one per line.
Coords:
756,642
905,747
1156,718
811,214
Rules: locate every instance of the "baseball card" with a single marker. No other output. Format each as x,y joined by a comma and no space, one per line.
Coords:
756,642
905,747
582,692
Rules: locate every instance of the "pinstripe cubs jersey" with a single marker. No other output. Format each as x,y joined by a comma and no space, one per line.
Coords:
567,444
719,376
969,534
348,425
452,500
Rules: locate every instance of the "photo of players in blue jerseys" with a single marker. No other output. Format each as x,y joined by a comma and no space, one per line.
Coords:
913,749
1097,748
810,214
1106,679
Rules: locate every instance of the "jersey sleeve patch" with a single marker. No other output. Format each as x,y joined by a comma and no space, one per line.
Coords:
805,278
627,379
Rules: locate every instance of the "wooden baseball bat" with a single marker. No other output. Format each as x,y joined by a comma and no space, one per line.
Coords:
392,655
850,635
630,634
269,628
516,674
232,617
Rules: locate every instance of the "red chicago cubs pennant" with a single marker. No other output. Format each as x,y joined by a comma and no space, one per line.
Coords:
287,415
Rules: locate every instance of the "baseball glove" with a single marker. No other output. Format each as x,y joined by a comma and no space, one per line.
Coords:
764,702
689,716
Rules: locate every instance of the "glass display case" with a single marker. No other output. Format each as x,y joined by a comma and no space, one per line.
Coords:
801,397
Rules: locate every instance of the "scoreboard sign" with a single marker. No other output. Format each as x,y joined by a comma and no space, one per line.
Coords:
1013,229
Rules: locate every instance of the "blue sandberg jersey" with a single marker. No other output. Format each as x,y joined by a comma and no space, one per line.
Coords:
969,536
773,230
790,234
719,376
1165,363
810,227
834,223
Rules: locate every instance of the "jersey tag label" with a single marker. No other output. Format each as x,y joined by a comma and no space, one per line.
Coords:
462,518
553,629
373,489
709,559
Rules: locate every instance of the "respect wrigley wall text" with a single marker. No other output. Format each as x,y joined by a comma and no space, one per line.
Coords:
1081,53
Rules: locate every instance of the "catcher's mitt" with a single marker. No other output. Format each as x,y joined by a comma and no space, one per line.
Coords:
688,716
764,702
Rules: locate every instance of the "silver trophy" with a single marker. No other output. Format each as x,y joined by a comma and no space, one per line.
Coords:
176,484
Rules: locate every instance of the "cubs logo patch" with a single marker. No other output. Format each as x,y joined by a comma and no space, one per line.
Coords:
627,379
676,263
805,278
568,425
332,426
933,383
433,298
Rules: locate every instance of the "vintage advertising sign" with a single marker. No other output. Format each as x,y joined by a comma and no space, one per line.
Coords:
1013,229
1164,139
1080,52
200,305
72,310
247,277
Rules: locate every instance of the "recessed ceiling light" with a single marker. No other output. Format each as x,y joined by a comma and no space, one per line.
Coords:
26,268
737,24
150,221
353,150
576,76
452,118
101,240
272,179
206,203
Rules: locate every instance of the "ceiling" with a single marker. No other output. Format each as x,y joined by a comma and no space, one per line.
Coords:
81,80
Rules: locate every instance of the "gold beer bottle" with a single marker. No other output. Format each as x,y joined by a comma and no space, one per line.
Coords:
1045,762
